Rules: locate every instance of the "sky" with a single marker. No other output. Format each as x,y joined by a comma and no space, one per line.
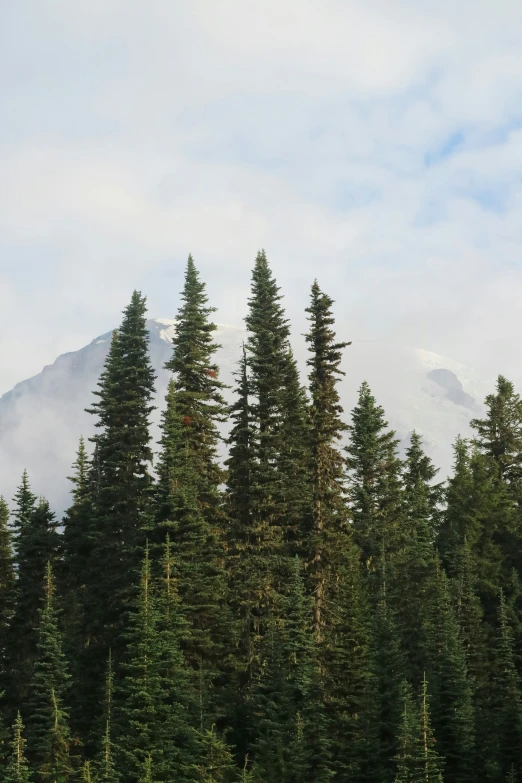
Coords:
374,145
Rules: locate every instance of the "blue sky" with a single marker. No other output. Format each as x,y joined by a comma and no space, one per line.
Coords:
375,145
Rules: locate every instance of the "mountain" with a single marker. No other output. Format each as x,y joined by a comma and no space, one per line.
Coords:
42,418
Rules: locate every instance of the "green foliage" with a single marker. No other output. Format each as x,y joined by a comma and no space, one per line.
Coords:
37,545
122,497
7,588
48,733
17,770
199,401
417,760
374,485
329,518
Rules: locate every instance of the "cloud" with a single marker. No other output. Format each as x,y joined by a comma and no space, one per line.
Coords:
375,145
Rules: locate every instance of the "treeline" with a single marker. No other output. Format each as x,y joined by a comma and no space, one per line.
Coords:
316,609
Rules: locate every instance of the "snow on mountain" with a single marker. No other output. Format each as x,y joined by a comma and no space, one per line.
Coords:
42,418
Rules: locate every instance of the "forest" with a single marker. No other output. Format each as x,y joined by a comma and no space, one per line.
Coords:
316,607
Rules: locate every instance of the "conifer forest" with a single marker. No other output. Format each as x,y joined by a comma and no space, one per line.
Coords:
315,607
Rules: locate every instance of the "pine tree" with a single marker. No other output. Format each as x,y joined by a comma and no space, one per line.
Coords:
417,761
289,725
374,486
414,562
348,672
387,666
123,488
37,545
329,527
453,716
197,548
49,685
139,711
17,769
58,766
505,716
76,541
106,763
200,404
25,504
7,587
272,400
499,434
216,763
179,704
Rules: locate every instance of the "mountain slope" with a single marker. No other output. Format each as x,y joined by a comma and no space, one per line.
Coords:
42,418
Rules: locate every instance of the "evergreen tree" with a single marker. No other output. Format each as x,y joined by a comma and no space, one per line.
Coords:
58,765
329,527
7,586
348,672
106,763
25,503
505,717
289,724
180,706
387,668
139,711
414,561
17,769
499,434
199,400
37,545
77,542
374,486
198,551
453,716
49,686
123,494
417,761
216,763
272,401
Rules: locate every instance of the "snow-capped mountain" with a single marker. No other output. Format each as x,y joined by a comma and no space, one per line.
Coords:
42,418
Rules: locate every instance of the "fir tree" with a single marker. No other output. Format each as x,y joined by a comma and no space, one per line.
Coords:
288,714
417,761
216,763
505,716
58,766
198,551
49,686
140,718
329,527
106,762
7,586
199,400
17,769
373,480
123,494
179,704
453,713
37,545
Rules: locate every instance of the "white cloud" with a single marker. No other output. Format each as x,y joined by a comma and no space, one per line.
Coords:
137,132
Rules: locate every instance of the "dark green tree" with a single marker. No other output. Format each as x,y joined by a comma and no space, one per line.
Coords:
106,757
37,545
289,721
199,401
123,490
374,484
7,587
328,537
451,691
49,686
197,548
179,703
417,760
505,716
139,715
17,768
